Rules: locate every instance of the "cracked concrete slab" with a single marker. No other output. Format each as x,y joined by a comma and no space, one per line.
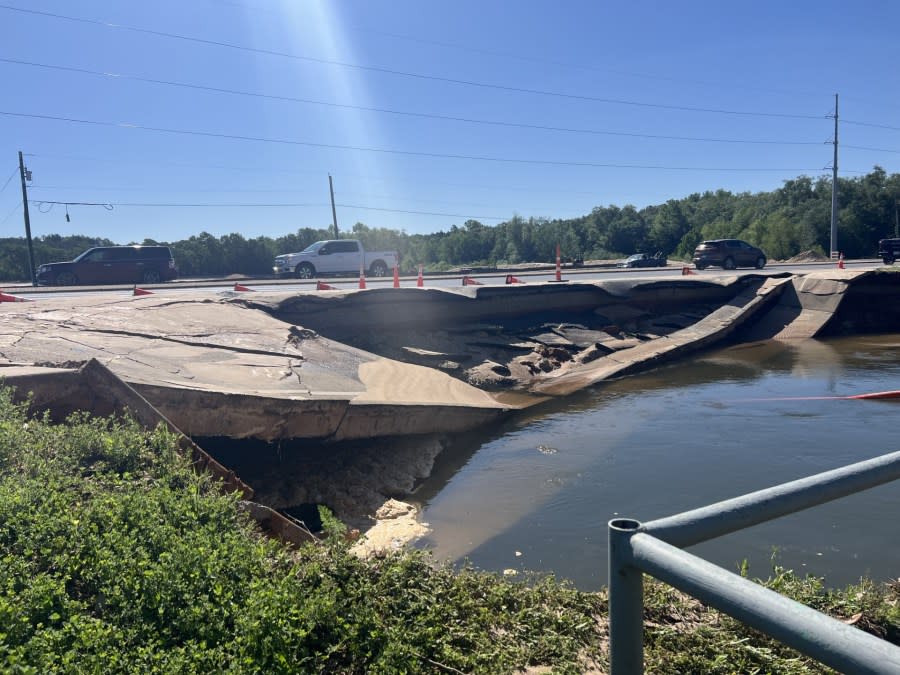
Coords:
218,368
359,364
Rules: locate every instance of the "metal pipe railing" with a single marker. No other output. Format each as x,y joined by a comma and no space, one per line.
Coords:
843,647
651,547
708,522
626,601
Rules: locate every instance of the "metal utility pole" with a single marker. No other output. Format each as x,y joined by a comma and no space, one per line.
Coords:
834,184
22,173
333,211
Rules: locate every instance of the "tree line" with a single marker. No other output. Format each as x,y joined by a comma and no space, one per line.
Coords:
783,222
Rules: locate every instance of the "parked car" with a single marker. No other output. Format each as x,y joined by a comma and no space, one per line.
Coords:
889,250
112,265
644,260
335,256
728,254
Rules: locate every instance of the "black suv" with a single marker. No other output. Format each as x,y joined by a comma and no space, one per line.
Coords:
889,250
112,265
729,254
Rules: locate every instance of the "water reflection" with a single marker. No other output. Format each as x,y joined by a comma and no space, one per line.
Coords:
676,438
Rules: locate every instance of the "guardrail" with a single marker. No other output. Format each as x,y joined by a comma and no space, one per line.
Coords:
653,547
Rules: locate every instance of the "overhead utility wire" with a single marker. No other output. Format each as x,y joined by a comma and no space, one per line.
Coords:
450,118
870,124
255,169
10,214
15,171
391,151
109,205
122,188
83,188
863,147
568,64
41,204
584,66
612,71
400,73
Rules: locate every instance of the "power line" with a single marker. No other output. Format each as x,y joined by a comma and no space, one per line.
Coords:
871,124
110,205
405,113
268,169
570,64
69,203
121,188
584,66
400,73
295,171
612,71
390,151
10,214
114,188
14,172
422,213
862,147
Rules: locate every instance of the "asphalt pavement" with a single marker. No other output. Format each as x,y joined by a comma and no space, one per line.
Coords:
444,280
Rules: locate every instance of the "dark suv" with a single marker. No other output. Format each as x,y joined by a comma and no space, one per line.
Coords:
728,253
112,265
889,250
644,260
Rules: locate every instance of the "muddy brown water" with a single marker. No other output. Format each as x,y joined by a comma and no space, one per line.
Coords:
536,494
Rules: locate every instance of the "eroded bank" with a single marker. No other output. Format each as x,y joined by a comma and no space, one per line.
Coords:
343,398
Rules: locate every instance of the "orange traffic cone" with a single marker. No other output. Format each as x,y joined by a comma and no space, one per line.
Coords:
510,279
322,286
141,291
396,277
687,271
469,281
241,288
362,277
420,282
6,297
840,261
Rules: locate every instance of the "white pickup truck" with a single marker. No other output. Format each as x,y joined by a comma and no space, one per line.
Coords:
335,256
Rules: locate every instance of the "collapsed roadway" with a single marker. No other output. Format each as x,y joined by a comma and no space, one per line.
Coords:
381,374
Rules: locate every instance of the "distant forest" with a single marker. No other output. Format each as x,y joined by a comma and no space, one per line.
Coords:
783,222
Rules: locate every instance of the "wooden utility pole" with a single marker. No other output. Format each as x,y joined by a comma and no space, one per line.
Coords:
22,172
333,211
834,185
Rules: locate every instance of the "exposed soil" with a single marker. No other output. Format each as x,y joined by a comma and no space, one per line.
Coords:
361,483
808,256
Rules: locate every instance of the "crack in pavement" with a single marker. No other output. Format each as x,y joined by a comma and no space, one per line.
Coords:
188,343
295,371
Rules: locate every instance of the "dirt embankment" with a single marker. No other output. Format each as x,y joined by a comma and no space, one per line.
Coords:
808,256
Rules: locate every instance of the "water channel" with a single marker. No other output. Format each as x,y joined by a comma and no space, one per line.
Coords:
537,493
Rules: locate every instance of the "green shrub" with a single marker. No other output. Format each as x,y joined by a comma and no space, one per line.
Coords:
116,557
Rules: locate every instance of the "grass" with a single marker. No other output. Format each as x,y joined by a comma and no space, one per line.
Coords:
116,557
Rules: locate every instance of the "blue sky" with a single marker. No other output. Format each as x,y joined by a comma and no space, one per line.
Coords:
566,106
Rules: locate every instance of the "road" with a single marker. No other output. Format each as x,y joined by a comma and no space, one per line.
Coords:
440,281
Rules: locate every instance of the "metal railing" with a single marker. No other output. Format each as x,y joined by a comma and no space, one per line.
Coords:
653,547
